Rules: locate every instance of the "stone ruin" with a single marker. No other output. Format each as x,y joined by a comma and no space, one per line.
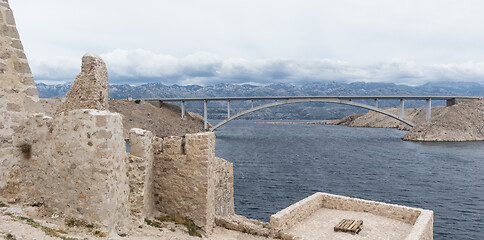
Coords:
90,89
75,165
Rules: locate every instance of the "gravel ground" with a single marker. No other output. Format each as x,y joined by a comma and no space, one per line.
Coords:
28,223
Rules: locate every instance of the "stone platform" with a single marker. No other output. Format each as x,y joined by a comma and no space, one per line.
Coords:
320,226
315,217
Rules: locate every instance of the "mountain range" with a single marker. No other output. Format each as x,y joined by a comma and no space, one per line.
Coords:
217,110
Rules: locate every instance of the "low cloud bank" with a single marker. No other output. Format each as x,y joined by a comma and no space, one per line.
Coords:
203,68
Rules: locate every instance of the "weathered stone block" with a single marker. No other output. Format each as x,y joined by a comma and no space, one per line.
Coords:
9,19
31,91
22,67
9,31
17,44
14,107
4,56
173,145
21,55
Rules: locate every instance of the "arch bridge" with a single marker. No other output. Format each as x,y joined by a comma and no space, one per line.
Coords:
278,101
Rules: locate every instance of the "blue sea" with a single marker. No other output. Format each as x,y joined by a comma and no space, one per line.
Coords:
276,165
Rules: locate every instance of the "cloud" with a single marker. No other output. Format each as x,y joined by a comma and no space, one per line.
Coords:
55,69
360,32
139,66
206,42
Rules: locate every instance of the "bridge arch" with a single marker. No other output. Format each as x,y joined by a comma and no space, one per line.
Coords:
290,101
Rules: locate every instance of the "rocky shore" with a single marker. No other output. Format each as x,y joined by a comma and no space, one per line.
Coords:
378,120
459,123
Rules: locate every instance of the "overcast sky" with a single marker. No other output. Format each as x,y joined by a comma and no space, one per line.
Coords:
256,41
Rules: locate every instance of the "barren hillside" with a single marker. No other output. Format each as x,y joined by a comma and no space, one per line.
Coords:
461,122
378,120
164,121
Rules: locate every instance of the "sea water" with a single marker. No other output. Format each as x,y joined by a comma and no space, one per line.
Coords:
276,165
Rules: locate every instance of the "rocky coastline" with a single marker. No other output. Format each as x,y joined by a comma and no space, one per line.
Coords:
458,123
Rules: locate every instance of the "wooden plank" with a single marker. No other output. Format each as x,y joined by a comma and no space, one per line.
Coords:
355,226
352,225
342,223
339,225
347,225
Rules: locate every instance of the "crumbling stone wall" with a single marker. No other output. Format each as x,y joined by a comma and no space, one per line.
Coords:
90,89
73,164
18,97
140,171
179,176
184,177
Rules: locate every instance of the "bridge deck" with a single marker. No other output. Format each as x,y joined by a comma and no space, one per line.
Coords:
281,100
314,97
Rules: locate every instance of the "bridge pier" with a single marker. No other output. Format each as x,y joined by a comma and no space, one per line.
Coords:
251,103
456,100
429,109
376,102
205,117
402,108
228,109
182,109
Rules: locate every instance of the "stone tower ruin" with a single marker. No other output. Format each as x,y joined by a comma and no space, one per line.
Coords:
18,97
